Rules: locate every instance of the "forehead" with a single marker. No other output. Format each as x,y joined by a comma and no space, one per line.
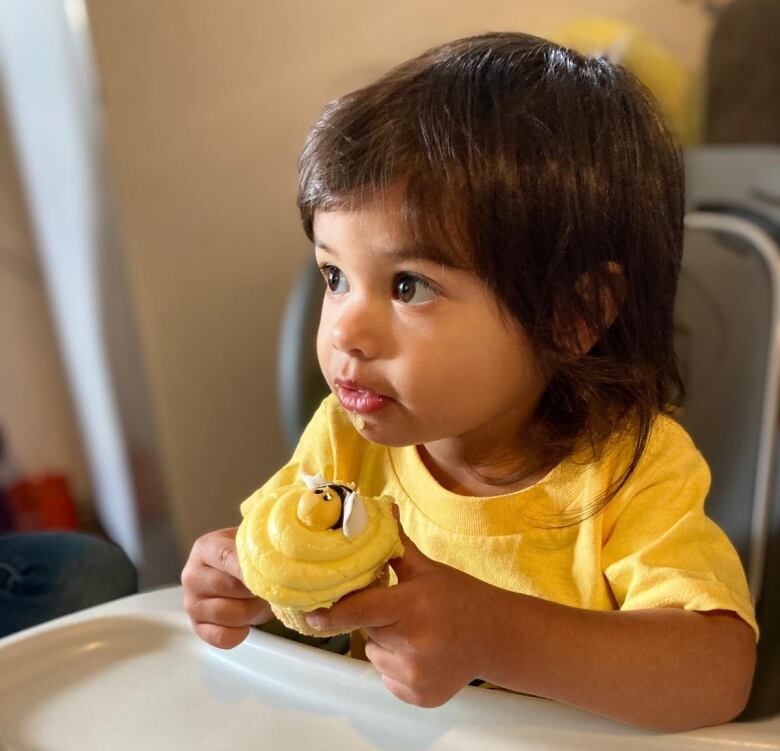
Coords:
381,227
371,229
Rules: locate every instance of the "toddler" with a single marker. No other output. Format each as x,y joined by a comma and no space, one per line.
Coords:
498,223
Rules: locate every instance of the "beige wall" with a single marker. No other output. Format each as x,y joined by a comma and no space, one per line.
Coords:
207,104
36,412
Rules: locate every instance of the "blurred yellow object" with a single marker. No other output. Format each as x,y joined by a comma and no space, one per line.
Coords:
674,86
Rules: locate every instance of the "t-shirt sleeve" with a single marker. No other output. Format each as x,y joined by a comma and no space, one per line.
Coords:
661,548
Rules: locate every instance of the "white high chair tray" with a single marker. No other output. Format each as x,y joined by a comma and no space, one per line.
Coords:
132,675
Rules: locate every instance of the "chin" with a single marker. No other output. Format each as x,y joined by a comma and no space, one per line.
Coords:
382,438
383,435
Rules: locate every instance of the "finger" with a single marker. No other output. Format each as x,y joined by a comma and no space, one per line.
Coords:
413,558
221,636
210,582
375,606
400,690
223,612
406,541
218,550
381,658
407,694
389,664
388,637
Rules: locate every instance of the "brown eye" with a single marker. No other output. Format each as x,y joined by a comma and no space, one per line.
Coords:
334,279
412,289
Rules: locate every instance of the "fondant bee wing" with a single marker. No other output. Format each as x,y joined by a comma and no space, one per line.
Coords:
312,481
355,516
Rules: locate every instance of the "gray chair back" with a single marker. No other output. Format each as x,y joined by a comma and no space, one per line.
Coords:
728,343
727,329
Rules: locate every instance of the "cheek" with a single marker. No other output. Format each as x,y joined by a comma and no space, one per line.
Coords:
441,370
323,348
480,368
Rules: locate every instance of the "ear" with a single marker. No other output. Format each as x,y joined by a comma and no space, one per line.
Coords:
611,294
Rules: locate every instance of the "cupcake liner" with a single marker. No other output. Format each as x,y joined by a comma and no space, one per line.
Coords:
296,619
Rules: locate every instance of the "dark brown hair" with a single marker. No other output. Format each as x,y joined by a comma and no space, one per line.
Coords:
553,177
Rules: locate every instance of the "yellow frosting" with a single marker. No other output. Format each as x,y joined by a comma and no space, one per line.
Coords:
292,566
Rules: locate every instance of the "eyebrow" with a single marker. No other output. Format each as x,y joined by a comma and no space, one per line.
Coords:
411,253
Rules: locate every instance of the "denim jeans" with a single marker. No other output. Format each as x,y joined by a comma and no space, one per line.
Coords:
44,575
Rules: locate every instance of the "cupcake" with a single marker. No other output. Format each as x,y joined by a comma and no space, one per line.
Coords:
305,545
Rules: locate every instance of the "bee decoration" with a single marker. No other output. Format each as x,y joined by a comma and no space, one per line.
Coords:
331,505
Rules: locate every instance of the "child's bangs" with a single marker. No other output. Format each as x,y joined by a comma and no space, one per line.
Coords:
429,206
436,217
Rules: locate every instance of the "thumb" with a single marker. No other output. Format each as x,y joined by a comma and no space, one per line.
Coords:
413,558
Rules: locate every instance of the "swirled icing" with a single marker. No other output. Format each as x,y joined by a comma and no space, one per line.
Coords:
292,566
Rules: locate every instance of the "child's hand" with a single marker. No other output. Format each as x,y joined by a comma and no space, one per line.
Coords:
428,634
220,607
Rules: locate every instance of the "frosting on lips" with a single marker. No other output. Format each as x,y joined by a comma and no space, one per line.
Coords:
293,566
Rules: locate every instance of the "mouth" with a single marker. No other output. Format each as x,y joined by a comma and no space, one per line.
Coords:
358,399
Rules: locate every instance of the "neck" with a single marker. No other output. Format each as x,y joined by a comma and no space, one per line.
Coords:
450,467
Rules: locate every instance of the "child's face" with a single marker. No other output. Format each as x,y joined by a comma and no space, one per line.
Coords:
419,350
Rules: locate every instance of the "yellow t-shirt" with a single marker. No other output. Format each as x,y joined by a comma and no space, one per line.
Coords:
651,546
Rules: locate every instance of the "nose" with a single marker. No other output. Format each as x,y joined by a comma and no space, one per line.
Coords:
356,328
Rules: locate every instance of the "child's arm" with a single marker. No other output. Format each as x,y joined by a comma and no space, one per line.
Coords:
666,669
220,607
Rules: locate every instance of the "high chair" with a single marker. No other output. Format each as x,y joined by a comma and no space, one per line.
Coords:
741,181
727,341
131,674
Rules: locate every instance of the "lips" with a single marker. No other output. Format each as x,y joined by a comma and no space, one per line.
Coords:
358,399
